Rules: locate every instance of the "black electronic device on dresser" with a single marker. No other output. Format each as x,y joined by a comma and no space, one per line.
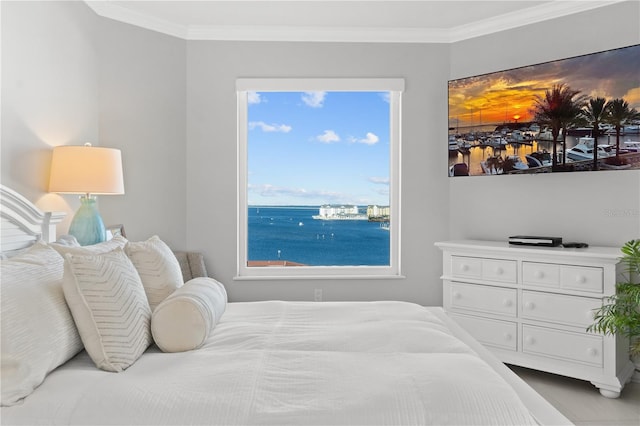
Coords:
530,240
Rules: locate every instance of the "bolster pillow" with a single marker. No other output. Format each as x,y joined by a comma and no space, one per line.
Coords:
184,320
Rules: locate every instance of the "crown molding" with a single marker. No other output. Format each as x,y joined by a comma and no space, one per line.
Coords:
116,12
506,21
318,34
532,15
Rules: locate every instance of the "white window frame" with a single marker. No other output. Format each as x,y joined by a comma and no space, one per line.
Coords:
393,85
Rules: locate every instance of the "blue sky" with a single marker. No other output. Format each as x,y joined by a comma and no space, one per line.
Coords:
312,148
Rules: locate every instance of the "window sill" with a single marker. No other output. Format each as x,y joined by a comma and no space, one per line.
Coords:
316,277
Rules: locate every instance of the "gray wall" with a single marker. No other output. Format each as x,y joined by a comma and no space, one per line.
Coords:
596,207
142,88
49,93
70,77
213,68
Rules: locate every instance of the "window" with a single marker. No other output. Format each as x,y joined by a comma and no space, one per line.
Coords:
318,177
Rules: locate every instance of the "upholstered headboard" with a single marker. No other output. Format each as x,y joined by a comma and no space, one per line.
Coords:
23,223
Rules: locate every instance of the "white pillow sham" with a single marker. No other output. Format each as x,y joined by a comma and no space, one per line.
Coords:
158,267
109,306
38,331
184,320
69,247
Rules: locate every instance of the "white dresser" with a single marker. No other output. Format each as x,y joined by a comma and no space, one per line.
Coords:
531,306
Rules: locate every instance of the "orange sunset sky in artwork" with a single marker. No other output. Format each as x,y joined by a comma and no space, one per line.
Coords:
509,96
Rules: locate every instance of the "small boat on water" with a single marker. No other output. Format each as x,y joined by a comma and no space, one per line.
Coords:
633,146
590,142
583,152
519,137
464,146
539,159
546,135
496,142
492,165
453,145
516,162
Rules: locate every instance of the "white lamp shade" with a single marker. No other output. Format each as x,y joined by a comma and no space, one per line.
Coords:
86,170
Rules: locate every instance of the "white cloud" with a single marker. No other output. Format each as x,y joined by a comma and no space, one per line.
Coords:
379,180
329,136
268,190
282,128
314,99
386,96
369,139
254,98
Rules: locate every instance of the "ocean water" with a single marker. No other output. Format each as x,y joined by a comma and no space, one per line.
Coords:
290,233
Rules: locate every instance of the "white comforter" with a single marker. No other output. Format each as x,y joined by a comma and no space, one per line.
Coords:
295,363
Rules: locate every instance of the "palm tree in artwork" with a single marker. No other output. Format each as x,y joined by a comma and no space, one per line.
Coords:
557,109
594,112
572,117
618,114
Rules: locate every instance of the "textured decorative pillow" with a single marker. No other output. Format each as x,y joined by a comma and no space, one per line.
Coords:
67,240
63,247
38,332
184,320
109,306
158,268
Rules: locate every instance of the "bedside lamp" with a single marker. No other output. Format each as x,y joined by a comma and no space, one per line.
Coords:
86,170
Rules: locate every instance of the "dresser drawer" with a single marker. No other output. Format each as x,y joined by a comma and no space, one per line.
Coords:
541,274
563,345
466,267
487,269
581,278
502,334
499,270
483,298
557,308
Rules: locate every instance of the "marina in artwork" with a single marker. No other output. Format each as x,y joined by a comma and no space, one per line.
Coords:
507,149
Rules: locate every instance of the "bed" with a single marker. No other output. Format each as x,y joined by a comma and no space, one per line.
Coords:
277,362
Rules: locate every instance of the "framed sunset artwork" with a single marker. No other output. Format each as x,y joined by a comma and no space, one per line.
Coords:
574,114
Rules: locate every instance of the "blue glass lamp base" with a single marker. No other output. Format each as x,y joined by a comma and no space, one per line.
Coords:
87,225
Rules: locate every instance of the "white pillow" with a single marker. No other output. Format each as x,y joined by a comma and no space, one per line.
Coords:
64,247
158,267
38,332
109,306
184,320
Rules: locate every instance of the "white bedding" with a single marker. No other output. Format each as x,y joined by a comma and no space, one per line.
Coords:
292,363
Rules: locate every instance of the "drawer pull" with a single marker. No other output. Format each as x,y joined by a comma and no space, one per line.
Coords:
581,279
538,274
508,336
457,295
530,340
464,267
529,305
592,351
507,302
499,271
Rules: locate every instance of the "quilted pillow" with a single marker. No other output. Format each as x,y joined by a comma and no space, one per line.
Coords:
158,267
109,306
38,332
184,320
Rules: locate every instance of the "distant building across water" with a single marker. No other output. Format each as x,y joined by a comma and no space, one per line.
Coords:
352,212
